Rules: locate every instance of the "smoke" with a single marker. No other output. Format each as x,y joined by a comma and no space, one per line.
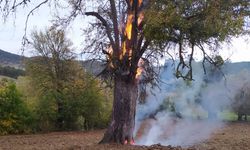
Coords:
183,113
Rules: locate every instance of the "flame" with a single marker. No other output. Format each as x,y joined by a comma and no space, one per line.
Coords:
141,14
132,142
140,18
140,2
128,29
128,34
110,51
140,69
126,49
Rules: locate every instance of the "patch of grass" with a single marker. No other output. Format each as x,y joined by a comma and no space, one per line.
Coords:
228,116
6,77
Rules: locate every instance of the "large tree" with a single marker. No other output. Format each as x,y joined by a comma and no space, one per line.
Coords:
53,68
130,34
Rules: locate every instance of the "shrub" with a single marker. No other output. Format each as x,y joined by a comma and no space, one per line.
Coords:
14,115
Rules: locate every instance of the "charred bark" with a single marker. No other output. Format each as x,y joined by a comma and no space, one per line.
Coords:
122,124
125,64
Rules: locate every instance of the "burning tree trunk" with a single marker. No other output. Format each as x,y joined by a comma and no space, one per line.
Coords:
124,63
123,116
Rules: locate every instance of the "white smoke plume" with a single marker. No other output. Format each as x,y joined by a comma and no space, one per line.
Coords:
182,113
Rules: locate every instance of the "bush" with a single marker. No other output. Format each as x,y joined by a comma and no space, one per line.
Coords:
87,107
46,113
85,104
14,115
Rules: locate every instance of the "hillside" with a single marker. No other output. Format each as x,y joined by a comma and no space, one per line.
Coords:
95,67
10,59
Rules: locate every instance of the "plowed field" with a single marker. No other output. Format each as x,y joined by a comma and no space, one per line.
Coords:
233,136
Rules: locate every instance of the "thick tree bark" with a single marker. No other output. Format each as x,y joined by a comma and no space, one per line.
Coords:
122,124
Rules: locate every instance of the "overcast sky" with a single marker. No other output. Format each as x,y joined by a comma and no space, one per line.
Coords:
12,31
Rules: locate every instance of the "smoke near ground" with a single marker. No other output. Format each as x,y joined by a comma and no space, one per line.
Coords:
184,113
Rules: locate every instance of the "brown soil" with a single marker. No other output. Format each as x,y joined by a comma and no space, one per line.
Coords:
233,136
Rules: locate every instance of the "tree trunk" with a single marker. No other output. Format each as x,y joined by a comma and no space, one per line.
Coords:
239,117
122,124
60,117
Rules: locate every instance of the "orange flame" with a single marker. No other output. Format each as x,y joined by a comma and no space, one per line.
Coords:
132,142
138,72
128,29
128,34
126,50
140,18
141,14
110,50
140,2
109,56
140,69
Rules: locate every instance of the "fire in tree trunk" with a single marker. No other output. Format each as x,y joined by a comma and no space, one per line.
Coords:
123,116
123,60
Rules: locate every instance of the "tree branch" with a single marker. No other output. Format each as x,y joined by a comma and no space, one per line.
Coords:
138,56
139,43
105,24
15,5
134,26
115,25
27,19
144,47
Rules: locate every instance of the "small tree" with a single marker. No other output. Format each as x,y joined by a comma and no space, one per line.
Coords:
14,115
65,91
52,67
241,101
86,105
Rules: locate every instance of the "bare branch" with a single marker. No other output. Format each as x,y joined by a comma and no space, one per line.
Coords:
105,24
27,19
77,7
15,5
190,72
115,25
144,47
183,65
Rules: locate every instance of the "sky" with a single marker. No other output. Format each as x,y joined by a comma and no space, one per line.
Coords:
12,31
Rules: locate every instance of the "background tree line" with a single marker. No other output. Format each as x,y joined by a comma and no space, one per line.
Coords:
55,94
11,72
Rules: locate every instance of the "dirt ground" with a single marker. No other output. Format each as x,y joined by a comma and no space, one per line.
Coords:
233,136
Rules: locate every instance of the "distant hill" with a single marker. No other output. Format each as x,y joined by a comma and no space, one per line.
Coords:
14,60
95,67
10,59
230,68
